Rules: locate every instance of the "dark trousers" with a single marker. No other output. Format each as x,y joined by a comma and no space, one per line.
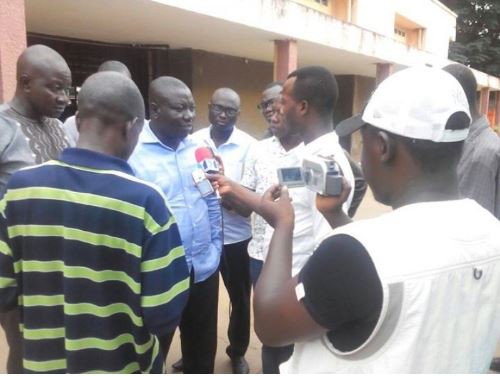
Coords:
10,323
255,269
235,270
272,357
198,327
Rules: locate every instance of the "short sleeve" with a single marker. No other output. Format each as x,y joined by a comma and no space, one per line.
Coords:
341,284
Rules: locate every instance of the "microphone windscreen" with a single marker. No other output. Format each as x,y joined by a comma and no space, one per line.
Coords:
203,153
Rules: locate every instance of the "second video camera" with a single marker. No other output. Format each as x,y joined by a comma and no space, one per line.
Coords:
319,174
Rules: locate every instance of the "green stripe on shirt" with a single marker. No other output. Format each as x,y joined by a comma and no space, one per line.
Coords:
44,366
164,298
162,262
69,233
102,311
81,272
80,198
108,344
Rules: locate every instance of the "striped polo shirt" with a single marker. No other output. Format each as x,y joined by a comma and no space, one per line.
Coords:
93,257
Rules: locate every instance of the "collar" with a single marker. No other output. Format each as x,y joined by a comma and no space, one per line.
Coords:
92,159
236,137
148,137
317,144
478,126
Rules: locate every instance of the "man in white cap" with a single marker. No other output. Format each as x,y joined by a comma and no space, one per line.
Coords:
414,290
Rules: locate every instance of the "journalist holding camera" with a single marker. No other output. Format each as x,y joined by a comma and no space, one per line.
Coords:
405,292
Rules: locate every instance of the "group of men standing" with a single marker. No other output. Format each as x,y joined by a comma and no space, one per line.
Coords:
108,247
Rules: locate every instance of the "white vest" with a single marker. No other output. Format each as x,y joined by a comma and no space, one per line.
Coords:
439,264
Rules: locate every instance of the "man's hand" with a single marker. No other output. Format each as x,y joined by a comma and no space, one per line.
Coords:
233,195
222,184
276,207
331,206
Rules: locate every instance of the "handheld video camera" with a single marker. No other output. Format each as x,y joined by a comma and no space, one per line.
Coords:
319,174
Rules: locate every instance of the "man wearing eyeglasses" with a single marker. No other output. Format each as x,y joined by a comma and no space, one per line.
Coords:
232,145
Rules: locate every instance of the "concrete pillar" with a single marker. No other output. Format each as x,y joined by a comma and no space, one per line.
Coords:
384,70
497,111
285,58
12,43
484,100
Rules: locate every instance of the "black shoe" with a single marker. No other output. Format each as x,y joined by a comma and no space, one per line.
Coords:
240,365
178,366
495,365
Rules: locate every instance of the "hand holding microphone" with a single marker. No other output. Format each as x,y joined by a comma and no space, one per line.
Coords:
209,164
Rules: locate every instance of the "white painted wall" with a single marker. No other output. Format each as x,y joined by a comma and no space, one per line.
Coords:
438,21
375,15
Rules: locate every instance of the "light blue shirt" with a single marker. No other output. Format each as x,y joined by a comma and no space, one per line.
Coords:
198,218
233,153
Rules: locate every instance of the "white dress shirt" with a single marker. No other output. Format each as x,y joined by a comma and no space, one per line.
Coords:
233,153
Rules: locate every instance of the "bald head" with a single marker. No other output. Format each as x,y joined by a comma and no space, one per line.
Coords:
164,87
43,80
226,94
224,109
172,109
40,59
111,97
114,66
110,114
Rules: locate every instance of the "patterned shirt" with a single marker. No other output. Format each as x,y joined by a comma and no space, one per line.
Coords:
94,260
46,138
14,151
260,173
479,166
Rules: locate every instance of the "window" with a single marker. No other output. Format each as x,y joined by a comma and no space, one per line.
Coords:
400,34
323,6
408,32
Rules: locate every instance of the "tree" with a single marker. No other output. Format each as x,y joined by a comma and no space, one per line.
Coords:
478,34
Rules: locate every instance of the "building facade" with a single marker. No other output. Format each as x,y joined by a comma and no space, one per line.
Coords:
243,44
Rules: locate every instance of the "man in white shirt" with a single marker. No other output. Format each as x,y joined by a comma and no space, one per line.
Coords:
232,145
307,103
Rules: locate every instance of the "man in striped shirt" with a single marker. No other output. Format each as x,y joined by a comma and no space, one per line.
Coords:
91,254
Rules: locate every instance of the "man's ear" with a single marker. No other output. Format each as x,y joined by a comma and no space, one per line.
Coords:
130,127
386,147
77,120
154,109
25,82
303,108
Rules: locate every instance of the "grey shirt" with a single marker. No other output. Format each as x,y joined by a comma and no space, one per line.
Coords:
15,152
46,137
479,166
71,131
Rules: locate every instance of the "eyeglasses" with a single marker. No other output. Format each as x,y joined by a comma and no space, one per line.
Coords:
229,111
263,106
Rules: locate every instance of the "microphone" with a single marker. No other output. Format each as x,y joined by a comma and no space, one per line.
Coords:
205,158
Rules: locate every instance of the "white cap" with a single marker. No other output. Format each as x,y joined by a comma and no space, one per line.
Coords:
414,103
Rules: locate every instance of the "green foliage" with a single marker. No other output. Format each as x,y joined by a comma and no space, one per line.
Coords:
478,34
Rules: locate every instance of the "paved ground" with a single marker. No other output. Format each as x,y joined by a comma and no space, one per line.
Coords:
369,208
